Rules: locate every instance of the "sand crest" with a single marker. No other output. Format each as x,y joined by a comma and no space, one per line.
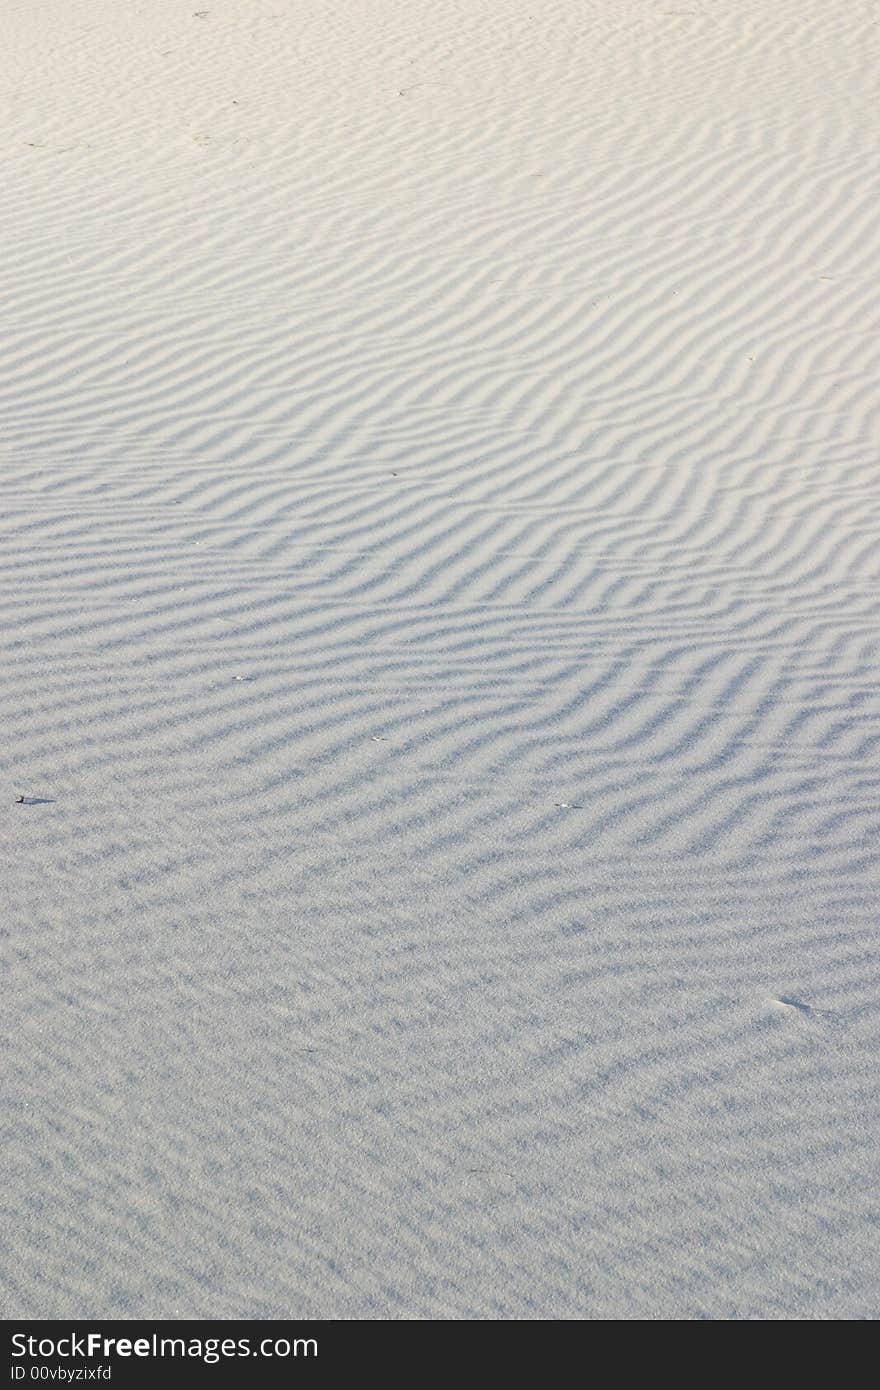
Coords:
440,659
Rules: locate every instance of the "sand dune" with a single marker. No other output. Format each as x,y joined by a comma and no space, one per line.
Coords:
440,657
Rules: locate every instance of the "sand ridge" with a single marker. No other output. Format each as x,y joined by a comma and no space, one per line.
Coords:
440,658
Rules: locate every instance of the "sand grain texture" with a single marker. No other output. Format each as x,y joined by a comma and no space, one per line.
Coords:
440,655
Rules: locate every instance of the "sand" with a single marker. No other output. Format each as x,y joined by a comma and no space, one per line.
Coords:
440,656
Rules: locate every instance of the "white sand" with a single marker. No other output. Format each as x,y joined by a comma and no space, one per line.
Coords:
440,640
